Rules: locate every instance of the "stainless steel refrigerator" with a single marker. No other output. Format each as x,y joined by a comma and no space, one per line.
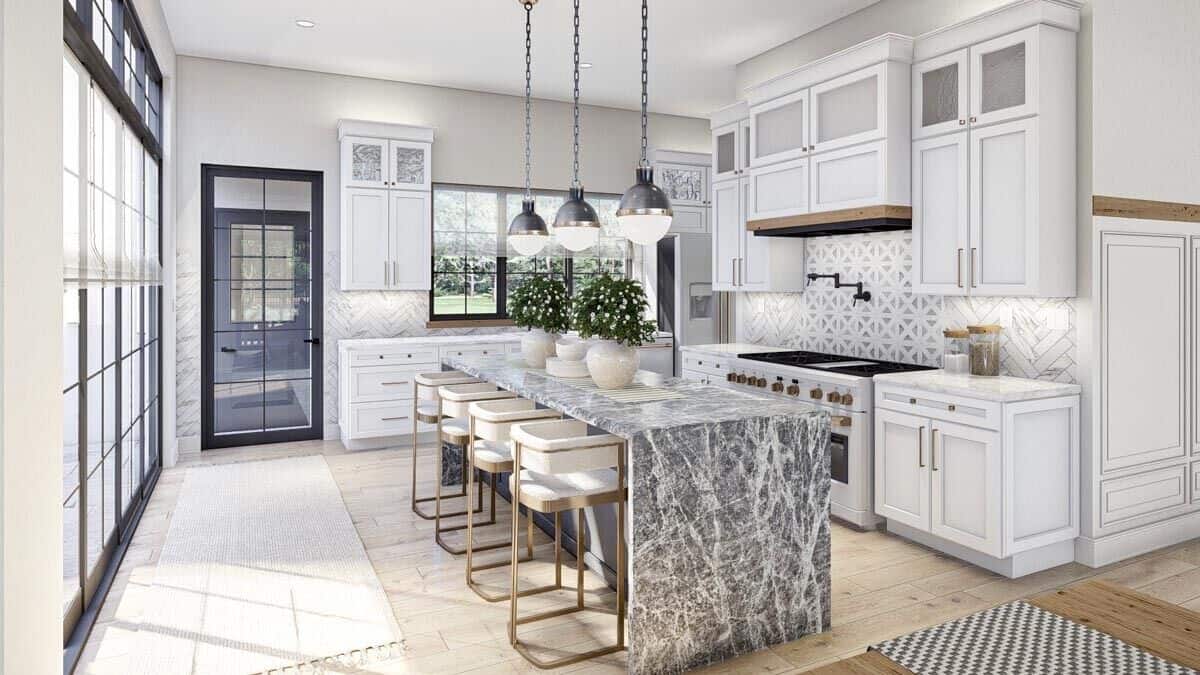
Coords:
687,306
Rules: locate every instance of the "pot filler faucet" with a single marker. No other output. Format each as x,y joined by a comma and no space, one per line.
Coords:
859,293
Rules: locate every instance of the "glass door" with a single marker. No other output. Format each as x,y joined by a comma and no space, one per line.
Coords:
262,307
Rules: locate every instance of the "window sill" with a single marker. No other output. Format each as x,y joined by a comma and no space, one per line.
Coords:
468,323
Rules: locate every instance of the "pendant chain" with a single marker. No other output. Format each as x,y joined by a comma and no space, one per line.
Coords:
575,167
645,78
529,100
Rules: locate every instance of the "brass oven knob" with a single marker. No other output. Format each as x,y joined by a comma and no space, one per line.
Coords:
777,385
741,378
760,382
730,377
816,393
847,399
793,388
834,397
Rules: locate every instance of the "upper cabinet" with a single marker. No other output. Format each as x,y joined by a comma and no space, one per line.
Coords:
832,135
386,223
993,155
731,142
683,176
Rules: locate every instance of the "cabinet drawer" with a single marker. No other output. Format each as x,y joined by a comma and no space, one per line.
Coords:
391,418
394,356
689,219
1196,482
848,178
1129,497
779,190
705,364
382,383
969,411
473,350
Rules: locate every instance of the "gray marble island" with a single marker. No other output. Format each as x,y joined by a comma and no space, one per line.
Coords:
729,502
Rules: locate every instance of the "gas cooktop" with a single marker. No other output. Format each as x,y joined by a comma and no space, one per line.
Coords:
833,363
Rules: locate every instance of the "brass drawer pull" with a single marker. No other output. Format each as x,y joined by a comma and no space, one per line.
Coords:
921,447
933,449
393,419
393,384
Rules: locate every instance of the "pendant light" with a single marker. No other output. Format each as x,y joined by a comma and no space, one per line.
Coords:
527,232
645,211
576,226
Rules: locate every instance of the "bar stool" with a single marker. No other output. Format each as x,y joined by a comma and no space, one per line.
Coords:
490,450
426,412
559,467
454,428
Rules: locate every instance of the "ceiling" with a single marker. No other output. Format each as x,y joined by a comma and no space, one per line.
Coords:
479,44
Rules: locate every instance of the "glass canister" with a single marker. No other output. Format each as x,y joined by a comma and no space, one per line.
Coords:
955,349
985,349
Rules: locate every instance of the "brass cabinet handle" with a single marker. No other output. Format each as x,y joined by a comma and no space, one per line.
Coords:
921,447
973,250
385,273
393,419
741,271
973,119
933,449
961,122
733,270
392,384
958,268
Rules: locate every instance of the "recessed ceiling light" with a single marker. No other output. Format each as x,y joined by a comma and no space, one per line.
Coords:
585,64
305,23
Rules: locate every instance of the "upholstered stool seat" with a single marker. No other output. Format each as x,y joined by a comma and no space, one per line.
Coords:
548,493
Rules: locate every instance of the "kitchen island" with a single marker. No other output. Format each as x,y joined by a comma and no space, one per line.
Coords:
729,502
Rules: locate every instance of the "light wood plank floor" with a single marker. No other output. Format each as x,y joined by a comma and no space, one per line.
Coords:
883,586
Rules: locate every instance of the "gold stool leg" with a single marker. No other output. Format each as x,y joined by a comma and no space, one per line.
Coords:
621,547
413,493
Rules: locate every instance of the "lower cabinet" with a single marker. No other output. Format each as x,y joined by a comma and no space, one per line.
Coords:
1002,492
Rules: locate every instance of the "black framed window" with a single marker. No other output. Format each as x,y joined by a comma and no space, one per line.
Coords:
474,270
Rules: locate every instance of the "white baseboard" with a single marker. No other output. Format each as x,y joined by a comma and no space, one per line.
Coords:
1017,565
187,445
332,432
866,520
381,442
1112,548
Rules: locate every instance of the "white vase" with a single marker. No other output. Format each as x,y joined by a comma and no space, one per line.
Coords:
611,364
536,345
572,348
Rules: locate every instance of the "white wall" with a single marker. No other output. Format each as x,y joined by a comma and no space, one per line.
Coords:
31,291
233,113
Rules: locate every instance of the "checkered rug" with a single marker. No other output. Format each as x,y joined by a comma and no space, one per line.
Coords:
1018,639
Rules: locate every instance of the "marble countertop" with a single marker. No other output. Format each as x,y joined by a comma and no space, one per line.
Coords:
731,349
1002,389
699,403
374,343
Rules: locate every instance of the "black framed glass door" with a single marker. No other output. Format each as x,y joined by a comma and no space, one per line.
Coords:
262,351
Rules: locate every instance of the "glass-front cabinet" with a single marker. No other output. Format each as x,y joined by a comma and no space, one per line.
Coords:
365,162
729,151
940,91
1004,77
409,165
779,129
848,110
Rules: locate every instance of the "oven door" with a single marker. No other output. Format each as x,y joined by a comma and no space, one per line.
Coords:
850,468
839,455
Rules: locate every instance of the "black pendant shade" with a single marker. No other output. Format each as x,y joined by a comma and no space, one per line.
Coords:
576,212
644,198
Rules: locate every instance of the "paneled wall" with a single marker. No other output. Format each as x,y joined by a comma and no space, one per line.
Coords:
898,325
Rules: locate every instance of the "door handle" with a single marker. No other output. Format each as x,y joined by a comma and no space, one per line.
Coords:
313,340
921,447
733,270
958,268
741,271
395,272
385,273
228,350
973,267
933,449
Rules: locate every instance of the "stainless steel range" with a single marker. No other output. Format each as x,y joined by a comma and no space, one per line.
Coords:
844,387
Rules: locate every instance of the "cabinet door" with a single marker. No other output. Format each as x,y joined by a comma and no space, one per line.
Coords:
754,271
1004,202
940,94
1195,356
1143,349
848,110
965,472
364,162
726,153
685,185
779,190
902,468
847,178
1004,77
941,213
727,233
409,234
779,129
409,165
689,219
365,260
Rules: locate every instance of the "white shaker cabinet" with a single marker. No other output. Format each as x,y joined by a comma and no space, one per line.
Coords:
683,176
386,226
730,142
1003,90
743,261
901,468
964,473
779,129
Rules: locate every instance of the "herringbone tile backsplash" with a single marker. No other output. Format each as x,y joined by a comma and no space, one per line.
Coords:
898,325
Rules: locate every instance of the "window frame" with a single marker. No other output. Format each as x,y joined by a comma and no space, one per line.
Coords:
502,281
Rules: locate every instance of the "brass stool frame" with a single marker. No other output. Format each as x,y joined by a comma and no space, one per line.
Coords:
516,511
417,419
578,505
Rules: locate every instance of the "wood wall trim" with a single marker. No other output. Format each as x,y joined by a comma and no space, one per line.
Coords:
469,323
892,211
1144,209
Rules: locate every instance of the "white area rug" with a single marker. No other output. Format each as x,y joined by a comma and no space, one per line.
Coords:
262,569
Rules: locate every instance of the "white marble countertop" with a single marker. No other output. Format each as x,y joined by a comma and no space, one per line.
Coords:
1002,389
374,343
731,349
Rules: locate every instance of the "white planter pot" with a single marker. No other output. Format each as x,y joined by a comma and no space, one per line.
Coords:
572,348
536,345
611,364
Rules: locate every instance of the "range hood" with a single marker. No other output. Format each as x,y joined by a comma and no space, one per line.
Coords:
882,218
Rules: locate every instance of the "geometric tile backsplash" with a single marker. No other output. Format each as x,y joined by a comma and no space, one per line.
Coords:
1038,340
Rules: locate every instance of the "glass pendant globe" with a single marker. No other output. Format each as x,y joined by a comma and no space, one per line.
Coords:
644,229
528,244
576,239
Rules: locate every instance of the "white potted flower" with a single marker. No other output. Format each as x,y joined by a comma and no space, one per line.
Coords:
541,305
613,310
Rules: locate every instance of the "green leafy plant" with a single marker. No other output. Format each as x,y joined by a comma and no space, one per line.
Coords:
542,303
613,309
